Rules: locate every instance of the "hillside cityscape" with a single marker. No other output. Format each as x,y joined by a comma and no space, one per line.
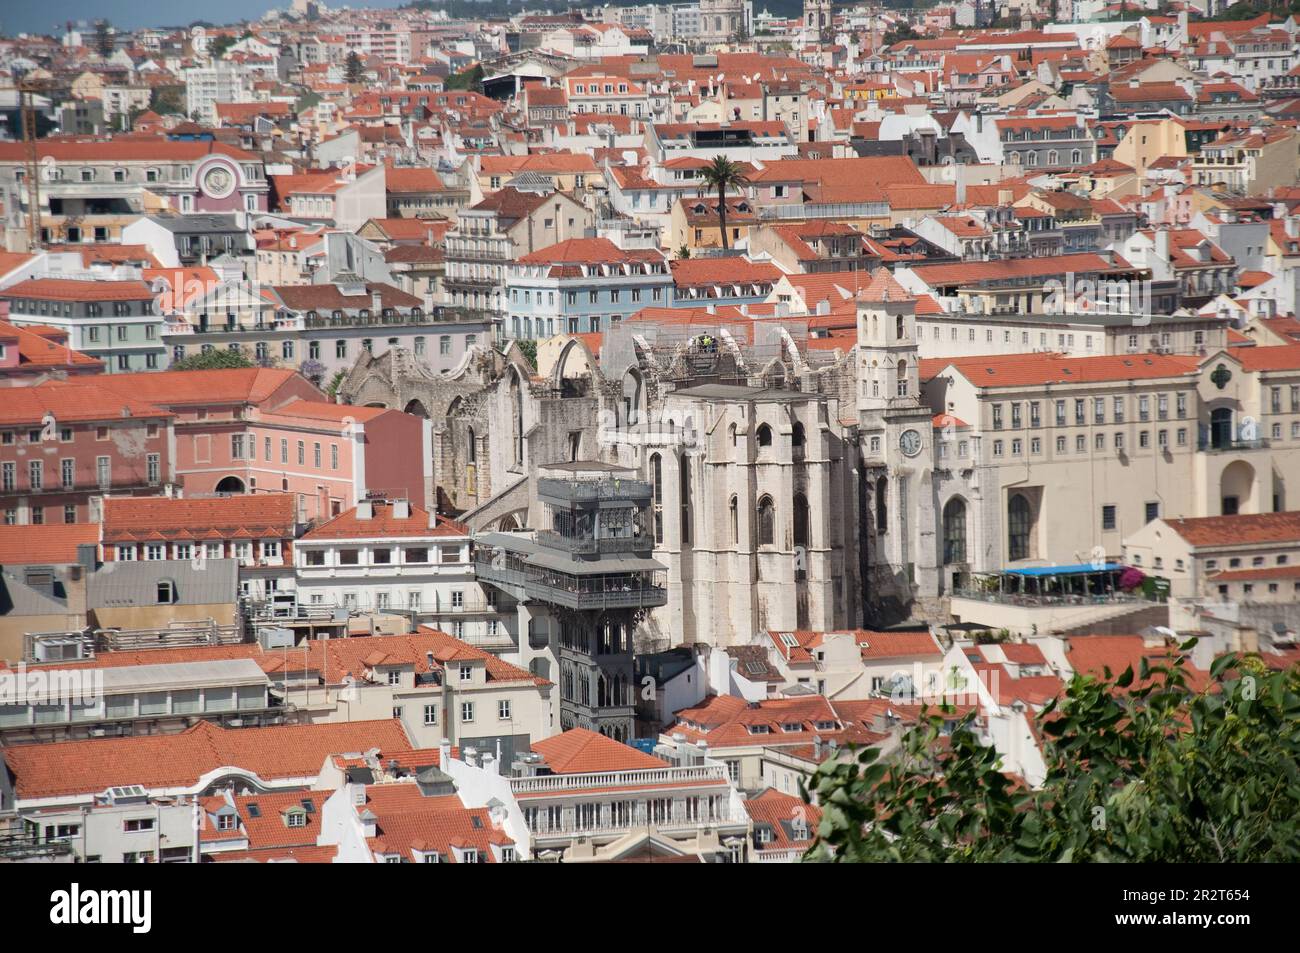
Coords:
696,432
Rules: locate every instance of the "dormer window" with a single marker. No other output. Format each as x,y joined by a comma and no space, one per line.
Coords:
295,817
791,726
758,729
225,822
826,725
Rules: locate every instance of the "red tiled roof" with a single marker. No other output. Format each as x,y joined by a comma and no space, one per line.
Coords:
44,347
54,543
72,401
1283,357
230,386
68,768
579,751
1242,529
383,523
408,821
587,251
777,810
971,272
1094,654
225,514
1019,370
122,149
688,272
330,297
75,289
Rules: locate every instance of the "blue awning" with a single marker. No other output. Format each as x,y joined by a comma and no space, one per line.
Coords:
1076,569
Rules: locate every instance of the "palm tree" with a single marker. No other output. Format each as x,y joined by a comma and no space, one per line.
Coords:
722,175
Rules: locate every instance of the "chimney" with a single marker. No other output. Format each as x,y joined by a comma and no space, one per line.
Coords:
376,302
1162,246
489,762
817,747
75,588
365,510
369,822
401,509
444,750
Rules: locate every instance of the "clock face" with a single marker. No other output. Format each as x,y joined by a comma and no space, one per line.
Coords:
909,441
218,182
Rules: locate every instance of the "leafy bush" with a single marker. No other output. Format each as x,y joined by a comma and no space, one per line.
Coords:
1140,768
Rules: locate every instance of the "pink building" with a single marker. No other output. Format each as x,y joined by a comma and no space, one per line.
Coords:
262,430
64,442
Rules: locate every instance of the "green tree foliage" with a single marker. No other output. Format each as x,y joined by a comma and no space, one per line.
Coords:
354,68
332,388
1140,768
167,100
900,33
217,48
216,359
104,43
529,349
723,176
469,79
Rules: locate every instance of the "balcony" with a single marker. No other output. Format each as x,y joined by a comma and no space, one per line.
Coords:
612,591
667,776
584,491
591,546
24,846
1211,445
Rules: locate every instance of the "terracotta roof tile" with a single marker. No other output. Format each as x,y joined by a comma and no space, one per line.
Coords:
579,751
70,768
73,401
55,543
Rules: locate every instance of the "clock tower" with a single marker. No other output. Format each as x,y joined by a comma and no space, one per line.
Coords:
897,447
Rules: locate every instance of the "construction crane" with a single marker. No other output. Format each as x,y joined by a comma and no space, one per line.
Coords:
27,90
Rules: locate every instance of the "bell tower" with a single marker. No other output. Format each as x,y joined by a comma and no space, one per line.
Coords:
818,19
897,444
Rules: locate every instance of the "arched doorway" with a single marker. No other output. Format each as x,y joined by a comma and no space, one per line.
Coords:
1236,488
230,484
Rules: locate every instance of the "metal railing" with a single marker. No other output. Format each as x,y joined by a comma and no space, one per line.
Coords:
16,846
1034,600
667,776
588,545
797,212
1209,444
594,489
